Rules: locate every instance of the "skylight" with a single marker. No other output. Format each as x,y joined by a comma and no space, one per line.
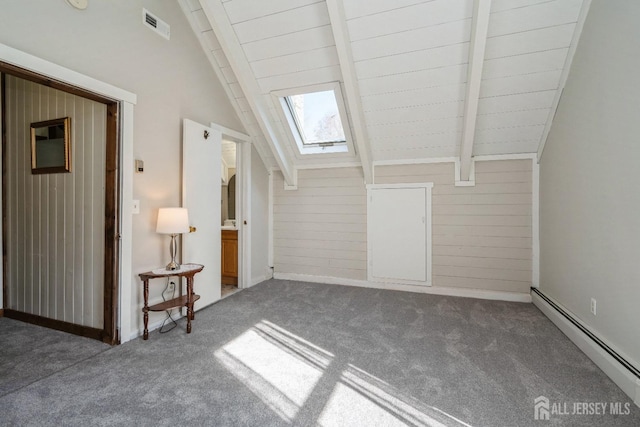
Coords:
316,118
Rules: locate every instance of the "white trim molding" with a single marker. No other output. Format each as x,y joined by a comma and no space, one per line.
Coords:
471,181
433,290
477,45
49,69
619,374
126,279
340,31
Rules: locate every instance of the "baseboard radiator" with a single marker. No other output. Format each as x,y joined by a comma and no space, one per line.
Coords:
589,334
624,373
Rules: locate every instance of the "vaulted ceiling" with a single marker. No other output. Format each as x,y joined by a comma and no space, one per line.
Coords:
422,79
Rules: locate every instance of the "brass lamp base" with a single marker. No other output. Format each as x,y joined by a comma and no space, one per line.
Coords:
173,246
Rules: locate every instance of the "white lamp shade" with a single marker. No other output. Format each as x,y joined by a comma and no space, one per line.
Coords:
172,221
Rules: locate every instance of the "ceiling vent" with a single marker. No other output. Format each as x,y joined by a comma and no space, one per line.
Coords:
156,24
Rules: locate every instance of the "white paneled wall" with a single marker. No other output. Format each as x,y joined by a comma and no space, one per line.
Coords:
481,235
321,228
55,222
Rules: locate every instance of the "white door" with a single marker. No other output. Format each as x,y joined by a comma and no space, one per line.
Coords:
201,185
398,234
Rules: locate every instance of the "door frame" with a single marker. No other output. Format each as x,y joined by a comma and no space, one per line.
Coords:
117,319
243,203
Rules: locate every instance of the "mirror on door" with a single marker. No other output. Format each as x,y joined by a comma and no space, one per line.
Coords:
229,235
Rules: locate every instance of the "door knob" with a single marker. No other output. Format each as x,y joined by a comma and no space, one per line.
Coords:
192,229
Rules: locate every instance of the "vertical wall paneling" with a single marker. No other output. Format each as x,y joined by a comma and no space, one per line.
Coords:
55,222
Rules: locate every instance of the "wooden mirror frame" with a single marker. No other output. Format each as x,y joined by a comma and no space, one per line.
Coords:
62,153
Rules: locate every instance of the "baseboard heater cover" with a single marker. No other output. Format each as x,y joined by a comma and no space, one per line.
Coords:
589,334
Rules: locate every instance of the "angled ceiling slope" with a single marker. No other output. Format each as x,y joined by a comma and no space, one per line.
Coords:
423,79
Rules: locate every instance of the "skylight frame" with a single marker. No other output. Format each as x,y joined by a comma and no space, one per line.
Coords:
326,150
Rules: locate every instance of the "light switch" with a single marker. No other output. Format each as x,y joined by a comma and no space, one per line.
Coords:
135,207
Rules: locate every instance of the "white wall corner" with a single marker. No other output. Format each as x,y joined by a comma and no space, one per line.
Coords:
472,174
294,181
535,223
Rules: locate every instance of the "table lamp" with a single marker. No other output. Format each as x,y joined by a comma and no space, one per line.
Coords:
173,221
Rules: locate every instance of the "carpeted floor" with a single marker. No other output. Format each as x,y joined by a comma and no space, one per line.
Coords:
291,353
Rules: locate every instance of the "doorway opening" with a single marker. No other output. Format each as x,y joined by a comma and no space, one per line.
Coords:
230,223
50,297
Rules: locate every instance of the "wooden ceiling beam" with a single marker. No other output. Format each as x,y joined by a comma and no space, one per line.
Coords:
479,30
350,81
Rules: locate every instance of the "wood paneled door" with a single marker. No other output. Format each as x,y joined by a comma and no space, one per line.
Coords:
60,230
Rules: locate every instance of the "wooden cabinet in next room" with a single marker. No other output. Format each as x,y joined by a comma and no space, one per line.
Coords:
229,270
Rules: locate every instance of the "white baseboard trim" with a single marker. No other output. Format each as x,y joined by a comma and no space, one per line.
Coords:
260,279
434,290
620,375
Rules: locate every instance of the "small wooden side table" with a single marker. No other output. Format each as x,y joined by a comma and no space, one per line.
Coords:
186,270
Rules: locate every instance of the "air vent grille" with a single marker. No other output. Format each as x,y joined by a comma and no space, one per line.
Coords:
156,24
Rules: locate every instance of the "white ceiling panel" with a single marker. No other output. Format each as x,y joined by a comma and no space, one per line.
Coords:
447,34
501,5
287,44
508,147
407,65
418,147
413,61
443,76
430,111
512,118
520,84
301,78
302,61
246,10
426,96
542,15
290,21
357,8
529,41
508,134
537,62
409,18
516,102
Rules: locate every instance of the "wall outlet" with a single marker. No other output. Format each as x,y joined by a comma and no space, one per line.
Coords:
593,306
171,287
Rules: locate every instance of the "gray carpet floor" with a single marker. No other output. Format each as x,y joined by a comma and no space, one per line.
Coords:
291,353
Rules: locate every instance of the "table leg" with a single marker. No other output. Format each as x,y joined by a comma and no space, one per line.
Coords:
146,310
189,303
